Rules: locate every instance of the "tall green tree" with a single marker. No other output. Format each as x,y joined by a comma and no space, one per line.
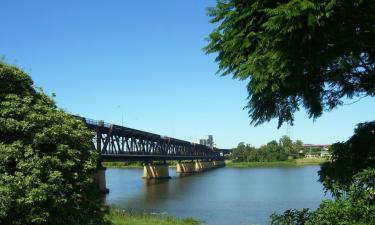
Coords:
46,168
350,177
309,53
348,159
287,144
239,153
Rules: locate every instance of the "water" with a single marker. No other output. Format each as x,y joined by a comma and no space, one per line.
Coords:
225,196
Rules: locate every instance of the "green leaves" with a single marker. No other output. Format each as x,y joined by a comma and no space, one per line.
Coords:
350,177
272,151
46,167
357,208
349,158
295,53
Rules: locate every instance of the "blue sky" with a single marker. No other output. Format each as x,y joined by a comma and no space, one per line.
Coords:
141,62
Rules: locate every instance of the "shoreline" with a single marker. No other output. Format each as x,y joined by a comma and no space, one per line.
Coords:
288,163
127,165
231,164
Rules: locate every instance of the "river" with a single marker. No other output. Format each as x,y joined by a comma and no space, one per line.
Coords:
224,196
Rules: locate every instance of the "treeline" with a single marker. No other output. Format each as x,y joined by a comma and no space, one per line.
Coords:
282,150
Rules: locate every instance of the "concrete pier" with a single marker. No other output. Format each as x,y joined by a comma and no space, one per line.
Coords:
186,167
156,171
197,166
100,180
201,166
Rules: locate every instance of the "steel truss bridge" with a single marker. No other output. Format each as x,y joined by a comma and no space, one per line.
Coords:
118,143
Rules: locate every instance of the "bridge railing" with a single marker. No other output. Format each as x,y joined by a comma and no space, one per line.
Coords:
118,141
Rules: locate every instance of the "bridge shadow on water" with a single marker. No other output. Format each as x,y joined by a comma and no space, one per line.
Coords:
156,195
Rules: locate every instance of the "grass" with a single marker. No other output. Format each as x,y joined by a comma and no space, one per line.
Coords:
229,163
311,161
288,163
128,217
122,164
131,164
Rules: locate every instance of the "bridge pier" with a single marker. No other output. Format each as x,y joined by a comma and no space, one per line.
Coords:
198,166
100,180
201,166
156,171
185,167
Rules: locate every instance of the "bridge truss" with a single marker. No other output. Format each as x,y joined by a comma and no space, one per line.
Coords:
118,143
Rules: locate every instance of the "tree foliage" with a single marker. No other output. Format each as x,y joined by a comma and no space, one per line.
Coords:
272,151
358,208
350,177
309,53
349,158
46,168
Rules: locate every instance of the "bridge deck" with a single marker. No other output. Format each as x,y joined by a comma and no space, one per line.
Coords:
118,143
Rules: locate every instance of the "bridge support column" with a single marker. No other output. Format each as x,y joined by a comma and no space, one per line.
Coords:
201,166
100,180
188,167
156,171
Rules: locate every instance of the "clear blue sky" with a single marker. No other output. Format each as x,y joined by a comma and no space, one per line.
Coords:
143,61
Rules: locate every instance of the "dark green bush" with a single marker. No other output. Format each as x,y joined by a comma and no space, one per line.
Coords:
46,168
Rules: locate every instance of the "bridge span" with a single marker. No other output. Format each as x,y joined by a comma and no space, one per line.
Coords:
119,143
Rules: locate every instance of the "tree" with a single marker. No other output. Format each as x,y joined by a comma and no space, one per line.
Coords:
350,177
287,144
358,208
46,168
349,158
239,153
298,146
296,53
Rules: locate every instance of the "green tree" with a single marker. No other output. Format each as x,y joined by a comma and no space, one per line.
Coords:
295,53
287,144
358,208
239,153
350,177
298,146
349,158
46,168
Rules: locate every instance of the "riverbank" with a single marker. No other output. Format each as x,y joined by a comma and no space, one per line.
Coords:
288,163
123,217
122,164
230,164
137,165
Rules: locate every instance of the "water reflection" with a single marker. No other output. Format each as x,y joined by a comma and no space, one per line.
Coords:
219,197
155,190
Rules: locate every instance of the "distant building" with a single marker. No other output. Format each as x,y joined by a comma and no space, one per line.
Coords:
325,154
312,146
209,141
312,155
316,151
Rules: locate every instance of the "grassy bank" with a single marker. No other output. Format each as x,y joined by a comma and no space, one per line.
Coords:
131,164
229,163
288,163
121,217
122,164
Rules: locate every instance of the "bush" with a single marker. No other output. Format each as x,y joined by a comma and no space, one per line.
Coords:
350,177
357,208
349,158
46,168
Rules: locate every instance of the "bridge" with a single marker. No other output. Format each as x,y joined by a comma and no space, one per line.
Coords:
119,143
